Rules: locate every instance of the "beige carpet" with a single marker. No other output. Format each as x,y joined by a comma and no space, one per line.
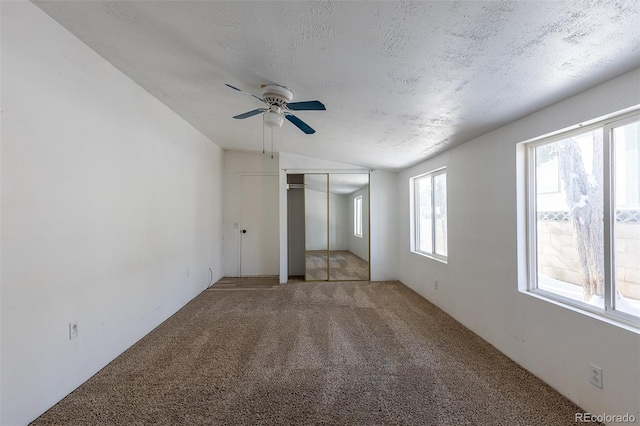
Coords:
354,353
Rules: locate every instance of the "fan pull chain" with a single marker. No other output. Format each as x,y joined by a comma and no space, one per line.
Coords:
263,133
272,143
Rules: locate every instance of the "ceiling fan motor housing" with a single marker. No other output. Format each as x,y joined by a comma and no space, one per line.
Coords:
277,95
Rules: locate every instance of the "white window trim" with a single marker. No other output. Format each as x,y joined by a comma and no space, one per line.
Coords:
608,314
415,215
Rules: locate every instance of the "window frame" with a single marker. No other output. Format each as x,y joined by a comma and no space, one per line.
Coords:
415,215
607,127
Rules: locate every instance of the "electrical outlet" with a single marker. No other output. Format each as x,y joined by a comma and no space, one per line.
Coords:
595,375
73,330
435,284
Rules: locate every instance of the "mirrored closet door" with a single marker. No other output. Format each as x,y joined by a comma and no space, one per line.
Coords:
336,226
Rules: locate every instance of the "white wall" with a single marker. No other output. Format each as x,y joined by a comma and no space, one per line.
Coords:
315,220
384,214
479,285
111,212
338,222
237,163
318,226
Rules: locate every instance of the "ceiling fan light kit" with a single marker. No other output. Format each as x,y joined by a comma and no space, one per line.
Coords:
273,119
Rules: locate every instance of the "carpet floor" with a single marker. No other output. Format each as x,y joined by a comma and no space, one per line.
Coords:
350,353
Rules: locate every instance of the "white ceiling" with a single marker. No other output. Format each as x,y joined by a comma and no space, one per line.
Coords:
401,81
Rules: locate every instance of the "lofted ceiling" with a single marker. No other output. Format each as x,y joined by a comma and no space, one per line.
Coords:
401,81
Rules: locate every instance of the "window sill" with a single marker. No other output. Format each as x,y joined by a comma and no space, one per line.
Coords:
584,309
438,258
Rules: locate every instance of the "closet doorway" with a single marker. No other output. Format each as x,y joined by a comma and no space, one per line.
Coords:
336,227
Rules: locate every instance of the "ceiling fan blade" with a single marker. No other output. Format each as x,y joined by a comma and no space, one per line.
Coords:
306,106
251,113
246,93
300,124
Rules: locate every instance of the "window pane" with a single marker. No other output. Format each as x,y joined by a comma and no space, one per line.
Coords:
423,202
357,216
626,147
569,220
440,213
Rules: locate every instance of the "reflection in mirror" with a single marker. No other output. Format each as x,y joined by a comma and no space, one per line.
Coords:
348,227
316,222
337,227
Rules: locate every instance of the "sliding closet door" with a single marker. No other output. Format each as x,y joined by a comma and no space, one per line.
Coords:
348,227
336,227
316,202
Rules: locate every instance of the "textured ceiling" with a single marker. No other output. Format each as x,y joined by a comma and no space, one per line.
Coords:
401,81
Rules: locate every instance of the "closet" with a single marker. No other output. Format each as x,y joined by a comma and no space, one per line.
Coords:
329,226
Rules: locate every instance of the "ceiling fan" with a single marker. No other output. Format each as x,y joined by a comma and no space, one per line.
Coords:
279,106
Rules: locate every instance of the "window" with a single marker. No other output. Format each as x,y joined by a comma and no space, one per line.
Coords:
584,231
430,214
357,216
